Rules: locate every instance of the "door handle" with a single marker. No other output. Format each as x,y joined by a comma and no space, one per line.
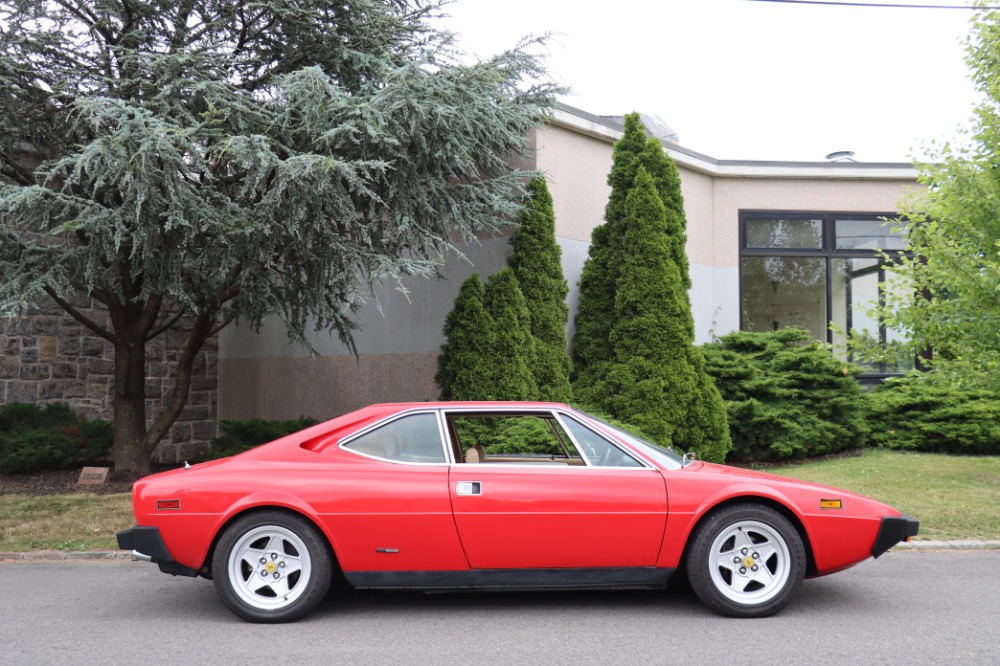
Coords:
469,488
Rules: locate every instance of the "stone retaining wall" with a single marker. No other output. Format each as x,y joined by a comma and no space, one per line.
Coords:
47,356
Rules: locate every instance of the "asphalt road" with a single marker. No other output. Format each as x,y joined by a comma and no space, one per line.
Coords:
909,607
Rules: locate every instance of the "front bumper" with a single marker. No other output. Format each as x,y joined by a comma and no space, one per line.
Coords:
893,531
147,544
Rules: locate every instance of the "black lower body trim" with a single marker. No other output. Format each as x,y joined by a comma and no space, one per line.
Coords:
513,579
148,542
892,531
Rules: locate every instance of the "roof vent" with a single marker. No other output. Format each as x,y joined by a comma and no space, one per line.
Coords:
841,156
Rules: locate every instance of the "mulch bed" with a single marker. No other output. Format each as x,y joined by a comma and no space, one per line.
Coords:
64,482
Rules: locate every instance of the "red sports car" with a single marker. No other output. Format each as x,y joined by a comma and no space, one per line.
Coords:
451,495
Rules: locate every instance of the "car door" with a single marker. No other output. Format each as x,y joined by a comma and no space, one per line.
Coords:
535,513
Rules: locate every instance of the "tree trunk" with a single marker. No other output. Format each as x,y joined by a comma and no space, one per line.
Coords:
131,452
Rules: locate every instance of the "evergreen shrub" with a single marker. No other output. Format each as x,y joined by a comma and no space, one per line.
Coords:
24,451
786,397
923,413
238,436
35,438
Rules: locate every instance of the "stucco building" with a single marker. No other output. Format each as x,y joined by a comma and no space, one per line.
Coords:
770,244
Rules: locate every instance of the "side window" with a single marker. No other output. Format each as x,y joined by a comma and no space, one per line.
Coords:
525,438
597,448
413,438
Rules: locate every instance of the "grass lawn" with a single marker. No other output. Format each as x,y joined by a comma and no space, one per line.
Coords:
954,497
63,522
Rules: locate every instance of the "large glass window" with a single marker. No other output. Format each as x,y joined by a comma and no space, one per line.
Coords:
808,270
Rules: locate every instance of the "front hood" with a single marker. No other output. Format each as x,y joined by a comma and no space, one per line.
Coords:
773,479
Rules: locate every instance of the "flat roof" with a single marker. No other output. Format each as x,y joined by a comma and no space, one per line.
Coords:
608,130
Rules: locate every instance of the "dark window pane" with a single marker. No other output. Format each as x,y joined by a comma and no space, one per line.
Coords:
784,291
868,235
794,234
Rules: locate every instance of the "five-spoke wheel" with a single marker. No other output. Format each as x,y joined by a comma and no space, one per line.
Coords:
746,560
271,566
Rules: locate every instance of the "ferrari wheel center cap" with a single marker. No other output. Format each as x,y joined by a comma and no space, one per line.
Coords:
270,567
748,562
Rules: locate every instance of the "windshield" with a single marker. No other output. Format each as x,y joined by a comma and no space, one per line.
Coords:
665,455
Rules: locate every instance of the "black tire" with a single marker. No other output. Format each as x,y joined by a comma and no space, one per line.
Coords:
746,560
271,566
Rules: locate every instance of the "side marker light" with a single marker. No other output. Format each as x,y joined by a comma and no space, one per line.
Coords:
831,504
168,505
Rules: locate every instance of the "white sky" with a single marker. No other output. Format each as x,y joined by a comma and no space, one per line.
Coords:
751,80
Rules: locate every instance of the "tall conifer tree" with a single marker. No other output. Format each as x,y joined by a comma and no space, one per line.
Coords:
513,344
536,262
465,370
591,348
646,370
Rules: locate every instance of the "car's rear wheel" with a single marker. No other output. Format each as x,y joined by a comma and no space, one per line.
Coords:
271,566
746,560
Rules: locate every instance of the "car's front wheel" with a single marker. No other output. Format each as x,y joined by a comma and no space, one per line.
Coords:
746,560
271,566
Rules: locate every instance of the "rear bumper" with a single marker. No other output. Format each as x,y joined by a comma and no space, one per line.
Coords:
893,531
147,544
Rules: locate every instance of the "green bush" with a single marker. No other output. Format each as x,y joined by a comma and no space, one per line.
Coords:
925,413
786,397
96,440
21,416
34,450
34,438
239,436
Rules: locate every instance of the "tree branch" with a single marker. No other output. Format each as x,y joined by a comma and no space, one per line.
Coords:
192,344
80,317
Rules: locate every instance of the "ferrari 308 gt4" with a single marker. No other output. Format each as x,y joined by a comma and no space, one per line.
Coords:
493,495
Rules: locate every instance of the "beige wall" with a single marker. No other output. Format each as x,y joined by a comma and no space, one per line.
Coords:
576,169
325,387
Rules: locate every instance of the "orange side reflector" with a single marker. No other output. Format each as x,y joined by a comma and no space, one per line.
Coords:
831,504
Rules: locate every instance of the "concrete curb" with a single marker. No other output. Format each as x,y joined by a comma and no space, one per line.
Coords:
949,545
59,555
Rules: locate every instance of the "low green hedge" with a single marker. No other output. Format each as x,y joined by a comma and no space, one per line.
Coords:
924,413
242,435
34,438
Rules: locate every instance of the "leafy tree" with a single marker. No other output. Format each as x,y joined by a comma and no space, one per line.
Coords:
947,297
190,162
513,345
536,262
465,366
634,345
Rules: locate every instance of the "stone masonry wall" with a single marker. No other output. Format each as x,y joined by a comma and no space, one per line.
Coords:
47,356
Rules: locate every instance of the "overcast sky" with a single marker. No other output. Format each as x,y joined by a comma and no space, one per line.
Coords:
739,79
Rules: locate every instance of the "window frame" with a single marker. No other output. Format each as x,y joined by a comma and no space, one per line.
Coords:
453,445
828,252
